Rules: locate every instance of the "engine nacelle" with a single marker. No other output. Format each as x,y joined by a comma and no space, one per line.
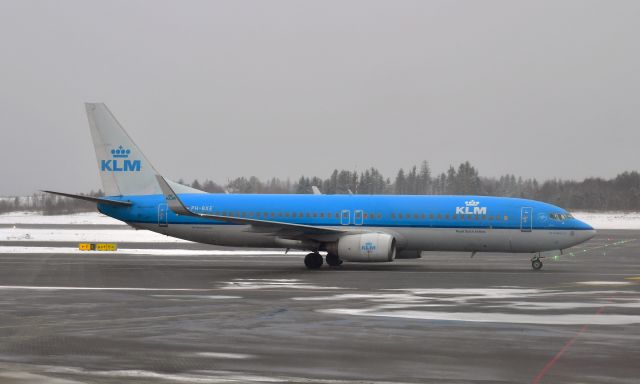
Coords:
366,247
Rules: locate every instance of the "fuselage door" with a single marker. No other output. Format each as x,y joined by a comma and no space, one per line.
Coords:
345,217
162,215
526,219
357,217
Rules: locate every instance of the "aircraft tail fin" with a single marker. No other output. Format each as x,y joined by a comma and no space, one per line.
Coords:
124,169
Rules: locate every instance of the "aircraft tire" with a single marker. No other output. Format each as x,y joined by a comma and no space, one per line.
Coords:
313,260
536,264
333,260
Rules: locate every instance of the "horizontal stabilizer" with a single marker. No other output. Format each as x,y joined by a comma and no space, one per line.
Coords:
98,200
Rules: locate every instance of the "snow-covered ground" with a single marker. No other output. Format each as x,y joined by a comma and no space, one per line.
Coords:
610,220
76,218
125,235
599,220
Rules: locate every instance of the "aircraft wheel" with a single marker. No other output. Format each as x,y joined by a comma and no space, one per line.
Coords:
536,264
333,260
313,260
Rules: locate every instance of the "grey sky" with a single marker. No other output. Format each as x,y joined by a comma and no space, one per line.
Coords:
217,89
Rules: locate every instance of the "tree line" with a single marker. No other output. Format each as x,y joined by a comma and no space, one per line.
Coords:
621,193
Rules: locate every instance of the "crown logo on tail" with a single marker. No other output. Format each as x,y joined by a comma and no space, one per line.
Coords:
120,153
471,203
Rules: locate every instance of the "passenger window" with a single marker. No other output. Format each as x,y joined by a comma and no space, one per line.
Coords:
506,218
293,214
484,217
446,216
477,217
424,216
415,216
393,215
322,215
431,216
244,214
400,216
490,217
439,216
308,214
454,217
315,214
329,215
379,216
279,214
408,216
366,216
273,214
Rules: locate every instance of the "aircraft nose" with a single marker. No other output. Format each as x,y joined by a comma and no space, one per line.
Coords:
587,233
590,233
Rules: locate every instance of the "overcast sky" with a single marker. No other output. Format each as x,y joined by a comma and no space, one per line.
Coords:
218,89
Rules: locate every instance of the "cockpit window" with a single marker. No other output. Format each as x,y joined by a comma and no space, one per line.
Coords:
561,216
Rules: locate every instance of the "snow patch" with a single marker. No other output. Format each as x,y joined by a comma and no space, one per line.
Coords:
86,235
89,218
488,317
604,283
257,284
610,220
223,355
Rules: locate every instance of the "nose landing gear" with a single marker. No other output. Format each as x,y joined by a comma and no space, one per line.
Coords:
536,263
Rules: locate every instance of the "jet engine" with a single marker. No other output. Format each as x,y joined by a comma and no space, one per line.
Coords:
366,247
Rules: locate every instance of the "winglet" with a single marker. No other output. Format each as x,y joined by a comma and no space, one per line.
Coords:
316,190
174,202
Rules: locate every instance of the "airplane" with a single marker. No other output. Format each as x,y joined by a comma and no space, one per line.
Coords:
347,228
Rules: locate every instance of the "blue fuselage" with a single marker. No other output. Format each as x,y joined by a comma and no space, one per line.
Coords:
477,217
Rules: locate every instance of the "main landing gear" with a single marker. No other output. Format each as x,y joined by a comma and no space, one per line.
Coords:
333,260
536,263
314,260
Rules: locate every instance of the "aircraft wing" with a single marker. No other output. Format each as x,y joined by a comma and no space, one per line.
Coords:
287,230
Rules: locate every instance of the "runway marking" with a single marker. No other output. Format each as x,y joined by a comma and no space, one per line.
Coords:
44,288
562,350
603,283
603,247
213,297
223,355
202,376
5,249
261,284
